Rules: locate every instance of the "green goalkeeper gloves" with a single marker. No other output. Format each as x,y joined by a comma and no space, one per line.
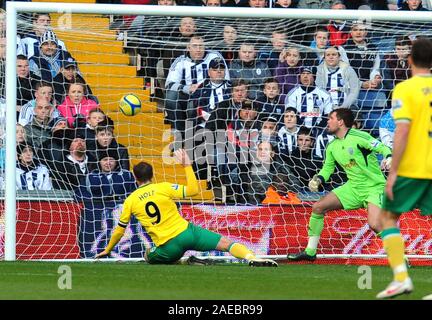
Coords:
314,184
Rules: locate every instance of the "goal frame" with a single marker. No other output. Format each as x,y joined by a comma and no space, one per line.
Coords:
13,8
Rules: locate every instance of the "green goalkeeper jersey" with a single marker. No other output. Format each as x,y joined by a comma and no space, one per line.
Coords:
356,154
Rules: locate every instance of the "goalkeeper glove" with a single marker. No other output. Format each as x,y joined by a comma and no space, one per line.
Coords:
314,184
386,164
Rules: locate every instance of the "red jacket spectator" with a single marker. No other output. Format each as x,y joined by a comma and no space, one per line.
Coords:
338,34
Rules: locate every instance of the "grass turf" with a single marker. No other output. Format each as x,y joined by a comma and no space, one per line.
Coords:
38,280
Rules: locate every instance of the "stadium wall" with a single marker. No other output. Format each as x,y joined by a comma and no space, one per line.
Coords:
269,230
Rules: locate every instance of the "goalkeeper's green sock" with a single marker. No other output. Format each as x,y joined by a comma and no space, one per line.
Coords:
316,226
240,251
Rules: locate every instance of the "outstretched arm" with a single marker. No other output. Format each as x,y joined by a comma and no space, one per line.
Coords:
192,187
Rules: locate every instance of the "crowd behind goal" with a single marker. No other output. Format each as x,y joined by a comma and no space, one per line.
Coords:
268,85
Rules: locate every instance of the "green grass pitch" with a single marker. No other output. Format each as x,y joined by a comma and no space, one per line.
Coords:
121,280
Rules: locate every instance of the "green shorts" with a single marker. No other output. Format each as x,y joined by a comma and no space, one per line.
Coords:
409,194
353,198
193,238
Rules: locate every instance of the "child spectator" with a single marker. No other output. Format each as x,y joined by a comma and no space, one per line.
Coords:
105,141
269,130
30,174
272,103
95,117
38,130
44,91
339,31
21,136
288,133
284,4
76,106
288,69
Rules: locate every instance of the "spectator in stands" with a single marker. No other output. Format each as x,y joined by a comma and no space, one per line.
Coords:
315,4
38,130
226,111
339,31
94,118
186,75
284,4
257,3
315,57
75,162
242,134
288,69
48,62
387,128
269,130
43,91
302,162
213,3
364,58
51,153
339,79
68,74
31,42
105,141
313,104
250,68
266,170
30,173
213,90
76,107
412,5
369,4
272,103
103,191
271,55
21,136
228,46
288,133
26,82
396,65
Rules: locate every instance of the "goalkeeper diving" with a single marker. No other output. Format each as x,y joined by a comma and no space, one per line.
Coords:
356,152
153,206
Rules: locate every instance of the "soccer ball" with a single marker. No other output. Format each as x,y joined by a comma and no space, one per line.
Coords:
130,105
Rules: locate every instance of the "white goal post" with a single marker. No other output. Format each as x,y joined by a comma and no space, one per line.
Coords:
14,8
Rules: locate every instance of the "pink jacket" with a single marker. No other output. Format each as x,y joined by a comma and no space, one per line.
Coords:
68,110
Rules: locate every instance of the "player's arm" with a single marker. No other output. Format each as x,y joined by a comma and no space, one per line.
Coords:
326,171
119,230
192,187
372,144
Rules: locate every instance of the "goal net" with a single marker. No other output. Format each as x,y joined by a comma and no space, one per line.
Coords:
247,96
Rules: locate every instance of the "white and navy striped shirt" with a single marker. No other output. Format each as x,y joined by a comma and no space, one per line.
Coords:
287,140
184,71
27,113
33,178
312,104
335,85
29,46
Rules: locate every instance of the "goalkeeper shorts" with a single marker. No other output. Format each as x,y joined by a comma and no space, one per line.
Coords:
193,238
409,194
353,198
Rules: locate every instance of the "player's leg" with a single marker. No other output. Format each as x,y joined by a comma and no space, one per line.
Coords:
374,217
316,225
207,240
407,194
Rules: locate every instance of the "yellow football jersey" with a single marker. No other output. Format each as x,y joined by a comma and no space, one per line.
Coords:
154,208
412,101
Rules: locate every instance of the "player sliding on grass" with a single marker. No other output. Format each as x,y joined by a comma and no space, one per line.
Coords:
409,184
152,204
355,151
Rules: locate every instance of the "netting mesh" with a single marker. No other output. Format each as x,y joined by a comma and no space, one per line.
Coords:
247,98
